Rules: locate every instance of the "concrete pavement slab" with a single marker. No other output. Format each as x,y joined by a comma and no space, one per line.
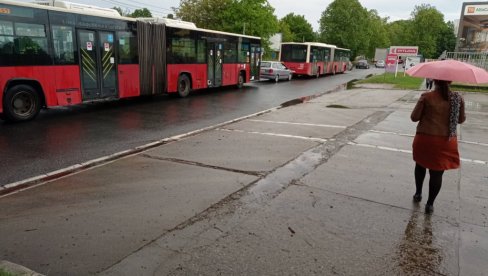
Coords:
475,128
398,122
317,113
362,98
381,176
310,231
235,150
86,222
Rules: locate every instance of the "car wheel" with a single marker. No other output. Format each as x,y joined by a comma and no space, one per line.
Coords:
21,103
290,76
277,78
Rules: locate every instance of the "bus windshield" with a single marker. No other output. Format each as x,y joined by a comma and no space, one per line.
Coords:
293,53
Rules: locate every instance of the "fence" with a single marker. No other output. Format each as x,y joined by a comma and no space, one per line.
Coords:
477,59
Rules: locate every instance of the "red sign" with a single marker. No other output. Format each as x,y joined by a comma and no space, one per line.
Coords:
404,50
391,60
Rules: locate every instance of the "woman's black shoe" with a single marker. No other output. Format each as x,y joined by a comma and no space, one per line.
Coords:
417,198
429,209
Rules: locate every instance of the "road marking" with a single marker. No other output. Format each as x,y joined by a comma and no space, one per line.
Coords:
301,124
320,140
480,162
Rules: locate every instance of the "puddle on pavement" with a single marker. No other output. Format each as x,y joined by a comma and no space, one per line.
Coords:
419,251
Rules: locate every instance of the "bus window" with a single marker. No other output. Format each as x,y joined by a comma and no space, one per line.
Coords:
64,51
230,52
243,53
6,39
183,47
127,48
294,53
201,51
30,44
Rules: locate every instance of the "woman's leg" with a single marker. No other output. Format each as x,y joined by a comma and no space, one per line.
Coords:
435,184
419,179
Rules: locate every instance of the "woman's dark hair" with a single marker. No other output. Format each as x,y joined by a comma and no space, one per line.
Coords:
443,87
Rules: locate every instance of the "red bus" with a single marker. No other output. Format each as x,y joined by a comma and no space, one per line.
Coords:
313,58
72,54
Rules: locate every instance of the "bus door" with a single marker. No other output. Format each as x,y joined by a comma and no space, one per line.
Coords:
215,53
314,53
255,61
97,64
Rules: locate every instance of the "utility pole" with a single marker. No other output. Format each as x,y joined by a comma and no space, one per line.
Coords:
244,29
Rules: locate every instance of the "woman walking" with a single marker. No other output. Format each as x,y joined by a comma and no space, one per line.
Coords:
435,145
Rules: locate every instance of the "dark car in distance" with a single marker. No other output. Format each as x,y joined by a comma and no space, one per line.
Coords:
363,64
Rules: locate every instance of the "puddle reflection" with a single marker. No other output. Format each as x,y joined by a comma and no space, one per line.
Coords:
418,253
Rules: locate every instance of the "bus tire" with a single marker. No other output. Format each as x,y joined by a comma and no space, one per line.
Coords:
240,80
184,85
21,103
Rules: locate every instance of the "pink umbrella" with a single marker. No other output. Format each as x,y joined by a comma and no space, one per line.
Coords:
450,70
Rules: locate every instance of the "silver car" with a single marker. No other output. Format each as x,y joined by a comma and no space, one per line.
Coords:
275,70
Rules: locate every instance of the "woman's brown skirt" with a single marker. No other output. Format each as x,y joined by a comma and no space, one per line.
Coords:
436,152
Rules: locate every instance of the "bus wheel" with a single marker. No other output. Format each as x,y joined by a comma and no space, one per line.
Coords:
240,81
21,103
183,86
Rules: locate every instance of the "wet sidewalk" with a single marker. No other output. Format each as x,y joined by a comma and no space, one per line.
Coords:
322,188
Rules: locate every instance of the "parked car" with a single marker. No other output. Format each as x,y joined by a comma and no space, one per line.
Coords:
362,64
380,64
275,70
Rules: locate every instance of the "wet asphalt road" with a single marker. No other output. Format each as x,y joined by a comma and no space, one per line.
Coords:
62,137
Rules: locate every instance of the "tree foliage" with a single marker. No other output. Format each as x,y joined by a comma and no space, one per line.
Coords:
377,32
427,27
345,23
144,12
208,14
301,30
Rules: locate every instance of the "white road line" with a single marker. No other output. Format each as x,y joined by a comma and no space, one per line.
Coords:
301,124
320,140
410,135
480,162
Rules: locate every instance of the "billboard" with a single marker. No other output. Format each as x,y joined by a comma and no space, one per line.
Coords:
391,63
472,35
404,50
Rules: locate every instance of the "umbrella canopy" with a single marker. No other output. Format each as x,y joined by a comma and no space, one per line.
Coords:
449,70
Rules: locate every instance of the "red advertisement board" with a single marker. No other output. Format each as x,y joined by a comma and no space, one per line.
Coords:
390,64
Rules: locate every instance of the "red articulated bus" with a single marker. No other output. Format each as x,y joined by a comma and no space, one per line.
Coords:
70,54
313,58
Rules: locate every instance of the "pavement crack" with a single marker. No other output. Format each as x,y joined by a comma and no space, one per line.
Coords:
193,163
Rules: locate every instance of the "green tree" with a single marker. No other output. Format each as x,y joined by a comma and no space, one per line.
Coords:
399,32
427,27
286,34
206,14
300,29
446,40
144,12
377,32
250,17
345,23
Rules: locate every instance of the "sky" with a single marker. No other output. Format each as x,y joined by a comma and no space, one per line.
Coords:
311,9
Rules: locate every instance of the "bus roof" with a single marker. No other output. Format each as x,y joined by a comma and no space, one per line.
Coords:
311,44
65,6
